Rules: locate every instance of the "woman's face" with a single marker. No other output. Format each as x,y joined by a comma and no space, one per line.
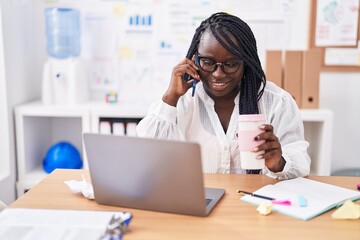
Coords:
219,84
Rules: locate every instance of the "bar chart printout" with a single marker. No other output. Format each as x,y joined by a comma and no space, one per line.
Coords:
140,20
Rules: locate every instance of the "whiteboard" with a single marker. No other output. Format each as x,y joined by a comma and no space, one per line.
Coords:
131,46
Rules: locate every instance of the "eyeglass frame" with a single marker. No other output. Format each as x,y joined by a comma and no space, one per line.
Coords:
216,64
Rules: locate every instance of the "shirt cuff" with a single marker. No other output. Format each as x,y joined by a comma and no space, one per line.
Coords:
166,111
284,171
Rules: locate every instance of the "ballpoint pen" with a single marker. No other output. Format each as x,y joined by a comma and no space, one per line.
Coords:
197,64
193,88
255,195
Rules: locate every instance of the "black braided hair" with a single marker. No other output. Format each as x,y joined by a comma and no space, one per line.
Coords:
222,26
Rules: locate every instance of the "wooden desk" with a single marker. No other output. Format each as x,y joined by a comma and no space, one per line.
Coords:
231,218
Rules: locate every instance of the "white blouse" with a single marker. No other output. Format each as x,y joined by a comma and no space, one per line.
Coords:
194,120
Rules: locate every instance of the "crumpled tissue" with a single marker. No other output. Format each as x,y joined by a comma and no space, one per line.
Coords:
349,210
83,187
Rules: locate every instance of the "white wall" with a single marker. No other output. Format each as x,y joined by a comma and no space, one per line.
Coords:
340,92
7,176
22,79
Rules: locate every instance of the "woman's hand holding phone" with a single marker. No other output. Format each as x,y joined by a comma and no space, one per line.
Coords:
182,78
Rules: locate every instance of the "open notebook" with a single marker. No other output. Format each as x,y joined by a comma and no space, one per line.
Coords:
320,197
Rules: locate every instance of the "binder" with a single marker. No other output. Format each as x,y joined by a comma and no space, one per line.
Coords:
274,67
293,75
118,128
131,129
311,76
105,127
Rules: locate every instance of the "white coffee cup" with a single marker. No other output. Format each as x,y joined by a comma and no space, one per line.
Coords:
248,129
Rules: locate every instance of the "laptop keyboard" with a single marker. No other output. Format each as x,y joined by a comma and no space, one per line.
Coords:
208,201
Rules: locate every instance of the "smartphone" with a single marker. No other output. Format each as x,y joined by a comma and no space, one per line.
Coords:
187,77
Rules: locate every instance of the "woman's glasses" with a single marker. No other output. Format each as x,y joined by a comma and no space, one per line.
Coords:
210,65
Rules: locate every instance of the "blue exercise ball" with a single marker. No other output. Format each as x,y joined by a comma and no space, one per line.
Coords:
62,155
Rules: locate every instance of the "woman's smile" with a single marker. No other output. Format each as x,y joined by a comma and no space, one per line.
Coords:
219,86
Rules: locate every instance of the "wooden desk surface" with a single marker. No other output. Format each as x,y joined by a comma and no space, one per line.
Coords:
231,218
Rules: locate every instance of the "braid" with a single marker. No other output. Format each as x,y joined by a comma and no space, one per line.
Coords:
222,27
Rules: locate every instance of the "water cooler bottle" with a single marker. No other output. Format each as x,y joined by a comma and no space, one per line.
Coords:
64,75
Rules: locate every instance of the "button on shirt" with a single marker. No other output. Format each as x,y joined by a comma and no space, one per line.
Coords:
194,119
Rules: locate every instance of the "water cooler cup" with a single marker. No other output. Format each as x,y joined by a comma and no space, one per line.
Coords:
248,129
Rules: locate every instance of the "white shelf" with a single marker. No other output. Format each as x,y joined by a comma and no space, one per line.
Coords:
316,115
39,126
318,126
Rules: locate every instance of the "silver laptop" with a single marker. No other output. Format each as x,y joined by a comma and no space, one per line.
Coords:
149,174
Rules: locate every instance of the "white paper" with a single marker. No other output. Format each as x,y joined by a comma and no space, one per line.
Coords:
342,56
42,224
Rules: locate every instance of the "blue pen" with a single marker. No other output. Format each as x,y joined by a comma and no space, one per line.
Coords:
193,87
197,64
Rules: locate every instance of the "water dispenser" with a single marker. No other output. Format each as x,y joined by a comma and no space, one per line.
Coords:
64,75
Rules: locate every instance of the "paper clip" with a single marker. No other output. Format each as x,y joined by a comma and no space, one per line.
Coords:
117,226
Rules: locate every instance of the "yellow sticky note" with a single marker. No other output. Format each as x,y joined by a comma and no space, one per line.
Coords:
118,10
349,210
264,208
125,52
227,10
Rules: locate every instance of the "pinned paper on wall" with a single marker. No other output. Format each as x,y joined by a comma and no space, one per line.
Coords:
342,56
99,49
336,23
